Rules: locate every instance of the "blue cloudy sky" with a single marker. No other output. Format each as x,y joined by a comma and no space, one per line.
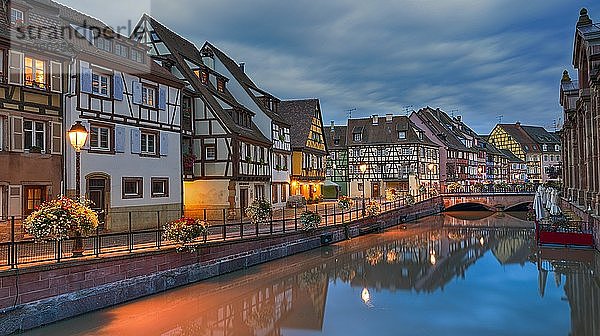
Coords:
480,59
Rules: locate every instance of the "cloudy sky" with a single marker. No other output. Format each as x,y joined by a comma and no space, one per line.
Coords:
479,59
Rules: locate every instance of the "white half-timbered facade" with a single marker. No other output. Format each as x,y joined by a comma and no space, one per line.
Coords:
131,163
226,155
398,156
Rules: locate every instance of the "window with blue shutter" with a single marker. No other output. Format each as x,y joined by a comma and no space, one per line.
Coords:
86,79
118,86
137,92
164,143
162,98
136,141
120,139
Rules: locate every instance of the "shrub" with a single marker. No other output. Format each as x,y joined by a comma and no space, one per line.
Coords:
310,220
372,208
259,211
184,231
344,203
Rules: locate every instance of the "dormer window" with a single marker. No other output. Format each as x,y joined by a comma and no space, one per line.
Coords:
17,17
336,141
137,56
401,135
220,85
204,77
104,44
357,137
545,148
121,50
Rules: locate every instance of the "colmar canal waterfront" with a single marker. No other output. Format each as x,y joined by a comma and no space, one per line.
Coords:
468,273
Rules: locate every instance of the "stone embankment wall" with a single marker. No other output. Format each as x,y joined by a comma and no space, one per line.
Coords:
586,217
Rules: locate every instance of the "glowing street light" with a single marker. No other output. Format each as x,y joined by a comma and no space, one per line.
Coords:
363,169
77,136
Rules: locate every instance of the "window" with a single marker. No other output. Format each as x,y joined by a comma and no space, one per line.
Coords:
274,196
336,141
545,148
100,138
357,137
360,187
204,77
137,56
148,143
283,192
35,73
101,84
35,135
148,96
210,152
557,147
34,196
132,187
401,135
160,187
55,77
220,85
121,50
259,191
104,44
17,17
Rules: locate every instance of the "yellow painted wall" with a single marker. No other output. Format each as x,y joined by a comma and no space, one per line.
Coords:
297,163
205,194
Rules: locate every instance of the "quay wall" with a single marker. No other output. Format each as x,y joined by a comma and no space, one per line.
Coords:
586,217
43,294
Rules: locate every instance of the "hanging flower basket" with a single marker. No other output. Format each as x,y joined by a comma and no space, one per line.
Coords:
310,220
454,187
373,208
344,203
259,211
185,231
61,219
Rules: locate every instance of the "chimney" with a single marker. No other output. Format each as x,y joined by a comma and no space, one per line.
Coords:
389,117
565,77
333,126
459,118
375,119
518,123
243,67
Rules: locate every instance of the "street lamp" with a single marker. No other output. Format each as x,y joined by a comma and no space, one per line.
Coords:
77,136
363,169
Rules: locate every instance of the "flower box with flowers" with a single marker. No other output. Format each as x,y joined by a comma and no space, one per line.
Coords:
344,203
185,231
260,211
310,220
373,208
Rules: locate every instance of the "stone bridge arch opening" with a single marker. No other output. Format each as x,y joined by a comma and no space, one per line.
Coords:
469,206
523,206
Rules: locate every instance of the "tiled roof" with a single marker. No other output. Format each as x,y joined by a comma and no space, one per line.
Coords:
299,114
541,135
444,128
519,135
511,157
184,48
385,132
246,82
336,133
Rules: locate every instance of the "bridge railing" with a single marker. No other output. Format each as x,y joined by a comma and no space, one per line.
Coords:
488,189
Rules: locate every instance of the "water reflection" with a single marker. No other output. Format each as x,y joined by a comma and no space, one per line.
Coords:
411,273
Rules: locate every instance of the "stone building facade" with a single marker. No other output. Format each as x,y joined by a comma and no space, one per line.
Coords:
580,100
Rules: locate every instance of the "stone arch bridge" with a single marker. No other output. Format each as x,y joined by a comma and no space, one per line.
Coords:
490,201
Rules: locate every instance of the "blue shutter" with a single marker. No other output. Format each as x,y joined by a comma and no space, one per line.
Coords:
120,139
162,98
86,79
118,86
164,143
136,141
137,92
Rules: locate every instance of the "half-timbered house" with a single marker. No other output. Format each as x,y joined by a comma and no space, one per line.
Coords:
461,158
337,159
397,153
225,154
308,146
131,163
266,117
31,107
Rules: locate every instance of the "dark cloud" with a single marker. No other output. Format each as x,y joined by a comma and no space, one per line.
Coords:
481,58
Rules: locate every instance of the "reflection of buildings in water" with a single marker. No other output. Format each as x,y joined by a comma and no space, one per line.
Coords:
580,268
486,219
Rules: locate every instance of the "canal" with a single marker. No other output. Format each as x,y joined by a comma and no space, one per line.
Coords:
468,273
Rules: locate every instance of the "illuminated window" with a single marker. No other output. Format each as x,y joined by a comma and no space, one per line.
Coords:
35,73
148,96
220,85
101,84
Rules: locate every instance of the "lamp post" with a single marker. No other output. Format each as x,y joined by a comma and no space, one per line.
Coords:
77,136
363,169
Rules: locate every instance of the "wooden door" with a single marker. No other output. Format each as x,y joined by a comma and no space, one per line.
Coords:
97,194
375,190
244,198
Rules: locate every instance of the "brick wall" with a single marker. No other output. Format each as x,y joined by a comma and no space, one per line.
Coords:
39,295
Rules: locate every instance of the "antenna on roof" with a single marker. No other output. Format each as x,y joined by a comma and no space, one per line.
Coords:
499,117
406,109
349,112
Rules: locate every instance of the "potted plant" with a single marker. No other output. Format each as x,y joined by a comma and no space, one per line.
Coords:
61,219
344,203
35,149
281,137
259,211
310,220
184,231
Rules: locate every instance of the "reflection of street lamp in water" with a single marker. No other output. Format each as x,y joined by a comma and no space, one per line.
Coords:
432,258
366,297
363,169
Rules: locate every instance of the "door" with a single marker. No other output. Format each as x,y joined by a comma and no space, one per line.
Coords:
375,190
97,194
243,198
